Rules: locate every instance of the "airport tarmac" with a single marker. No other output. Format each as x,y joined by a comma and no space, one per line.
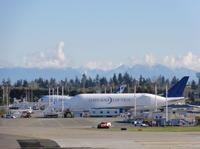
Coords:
81,133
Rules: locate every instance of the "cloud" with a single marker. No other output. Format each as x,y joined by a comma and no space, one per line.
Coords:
51,58
189,61
133,60
149,59
170,61
61,54
100,65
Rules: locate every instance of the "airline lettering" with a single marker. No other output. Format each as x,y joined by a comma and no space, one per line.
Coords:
109,100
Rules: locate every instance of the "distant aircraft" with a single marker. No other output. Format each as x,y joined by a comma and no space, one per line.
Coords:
120,89
85,102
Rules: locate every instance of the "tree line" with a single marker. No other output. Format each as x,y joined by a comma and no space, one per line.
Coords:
87,84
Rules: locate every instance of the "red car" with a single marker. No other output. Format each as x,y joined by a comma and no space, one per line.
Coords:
104,125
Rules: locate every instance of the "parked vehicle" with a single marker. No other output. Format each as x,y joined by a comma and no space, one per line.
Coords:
10,116
140,123
144,125
68,114
50,112
104,125
35,107
26,114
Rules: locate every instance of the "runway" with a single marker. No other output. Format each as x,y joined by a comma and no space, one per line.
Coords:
80,132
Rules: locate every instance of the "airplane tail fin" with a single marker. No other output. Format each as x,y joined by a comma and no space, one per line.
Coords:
120,89
178,89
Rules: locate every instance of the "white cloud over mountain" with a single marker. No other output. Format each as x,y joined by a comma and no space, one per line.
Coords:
56,58
150,59
100,65
53,58
189,60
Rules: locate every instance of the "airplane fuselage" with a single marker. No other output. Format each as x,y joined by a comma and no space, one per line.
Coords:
83,102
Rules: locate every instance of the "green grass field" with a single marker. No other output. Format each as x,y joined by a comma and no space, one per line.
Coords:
161,129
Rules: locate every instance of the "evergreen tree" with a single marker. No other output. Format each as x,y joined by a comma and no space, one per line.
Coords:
114,79
25,83
120,78
103,81
127,79
18,83
193,85
174,80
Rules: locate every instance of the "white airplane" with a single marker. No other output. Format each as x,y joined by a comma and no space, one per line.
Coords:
85,102
45,99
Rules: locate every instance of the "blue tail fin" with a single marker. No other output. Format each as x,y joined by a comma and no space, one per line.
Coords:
178,88
120,89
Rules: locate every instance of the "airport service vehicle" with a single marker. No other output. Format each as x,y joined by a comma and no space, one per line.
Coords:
68,114
144,125
104,125
50,113
140,123
140,101
10,116
25,114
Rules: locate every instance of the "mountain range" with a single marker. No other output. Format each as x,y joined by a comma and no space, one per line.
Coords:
146,71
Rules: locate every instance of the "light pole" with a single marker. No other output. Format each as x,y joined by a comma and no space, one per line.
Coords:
156,103
198,76
3,95
62,99
57,93
135,102
7,93
166,104
53,96
49,96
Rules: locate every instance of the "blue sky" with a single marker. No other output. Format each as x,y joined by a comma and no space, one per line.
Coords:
99,34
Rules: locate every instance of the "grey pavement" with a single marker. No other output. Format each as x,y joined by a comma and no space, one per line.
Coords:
80,133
